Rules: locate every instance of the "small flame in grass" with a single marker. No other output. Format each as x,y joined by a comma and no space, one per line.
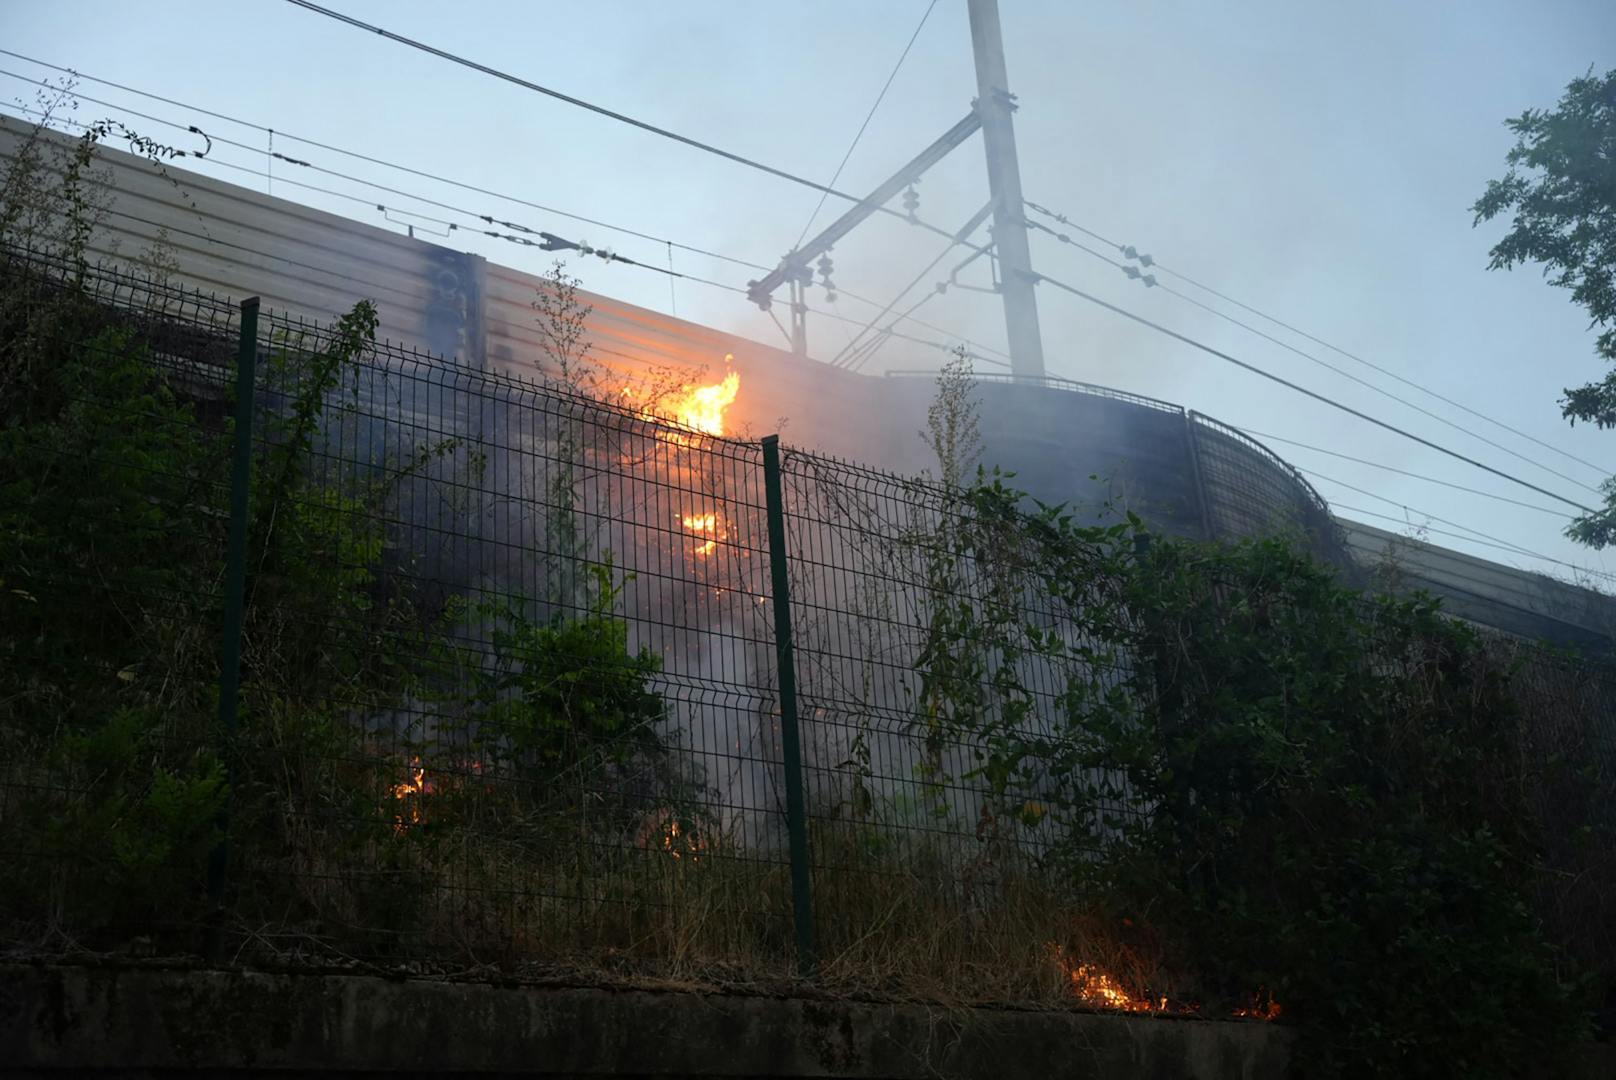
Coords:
662,829
463,777
681,844
411,792
1262,1007
1098,988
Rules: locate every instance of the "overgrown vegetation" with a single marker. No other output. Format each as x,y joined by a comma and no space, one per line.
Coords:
1156,774
1560,193
1303,796
116,433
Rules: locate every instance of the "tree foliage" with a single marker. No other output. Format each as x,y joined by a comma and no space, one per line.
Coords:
1308,794
115,453
1561,190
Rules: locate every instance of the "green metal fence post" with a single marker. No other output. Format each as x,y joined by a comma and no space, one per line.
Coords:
235,586
790,740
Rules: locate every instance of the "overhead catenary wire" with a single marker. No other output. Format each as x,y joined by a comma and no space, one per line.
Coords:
941,346
560,244
547,241
612,114
1149,280
599,110
865,352
1061,285
356,155
1400,504
1465,536
837,175
979,348
1265,437
1156,264
857,363
838,360
1467,533
1304,391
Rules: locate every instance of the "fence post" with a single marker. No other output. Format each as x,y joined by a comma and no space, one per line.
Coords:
235,582
790,740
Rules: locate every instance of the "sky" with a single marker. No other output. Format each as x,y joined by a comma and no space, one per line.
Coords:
1313,161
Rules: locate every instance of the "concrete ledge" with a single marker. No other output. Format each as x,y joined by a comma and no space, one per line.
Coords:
152,1022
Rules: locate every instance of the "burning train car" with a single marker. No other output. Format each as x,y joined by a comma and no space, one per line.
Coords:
686,517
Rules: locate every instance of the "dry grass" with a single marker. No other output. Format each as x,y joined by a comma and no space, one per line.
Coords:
529,895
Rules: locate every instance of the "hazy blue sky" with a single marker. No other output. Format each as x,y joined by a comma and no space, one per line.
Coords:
1314,160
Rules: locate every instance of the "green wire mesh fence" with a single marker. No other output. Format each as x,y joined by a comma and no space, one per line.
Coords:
510,671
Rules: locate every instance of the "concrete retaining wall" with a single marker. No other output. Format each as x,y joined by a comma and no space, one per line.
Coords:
156,1022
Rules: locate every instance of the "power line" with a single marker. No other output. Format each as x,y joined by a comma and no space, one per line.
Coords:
601,110
330,272
836,361
421,173
1404,472
547,241
612,114
1427,514
1149,280
939,345
866,352
867,118
553,243
1149,261
1499,545
980,346
1315,395
863,355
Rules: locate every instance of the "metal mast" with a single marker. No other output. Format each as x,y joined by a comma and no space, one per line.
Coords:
994,104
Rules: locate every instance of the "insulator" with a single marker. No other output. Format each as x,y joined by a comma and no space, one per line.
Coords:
1133,253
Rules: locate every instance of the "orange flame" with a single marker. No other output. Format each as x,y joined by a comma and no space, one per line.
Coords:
679,844
700,410
1097,988
702,407
411,792
696,408
1262,1007
661,829
708,526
